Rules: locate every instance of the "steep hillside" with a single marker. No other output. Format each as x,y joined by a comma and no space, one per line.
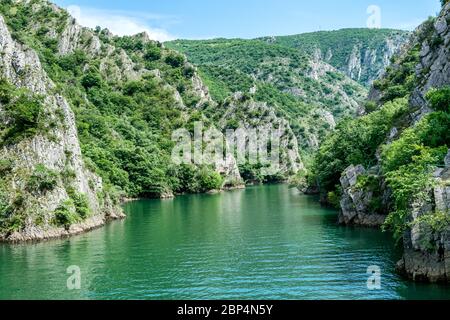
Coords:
311,94
46,189
362,54
80,104
391,167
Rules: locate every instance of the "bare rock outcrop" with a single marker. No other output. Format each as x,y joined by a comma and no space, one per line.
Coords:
356,200
434,68
57,150
427,246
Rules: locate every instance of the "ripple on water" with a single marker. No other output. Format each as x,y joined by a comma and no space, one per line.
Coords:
265,242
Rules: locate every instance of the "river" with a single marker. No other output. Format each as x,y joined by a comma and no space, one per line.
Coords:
265,242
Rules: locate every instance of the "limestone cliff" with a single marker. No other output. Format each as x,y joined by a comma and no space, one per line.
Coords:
94,123
362,54
56,148
242,113
422,65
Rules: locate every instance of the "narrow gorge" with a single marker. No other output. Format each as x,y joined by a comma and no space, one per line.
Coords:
89,122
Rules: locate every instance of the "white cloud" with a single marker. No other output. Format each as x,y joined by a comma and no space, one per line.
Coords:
120,23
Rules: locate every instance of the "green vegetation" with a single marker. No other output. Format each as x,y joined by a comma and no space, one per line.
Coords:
439,99
355,142
65,214
24,113
124,126
337,46
278,75
193,179
408,158
81,203
409,162
42,179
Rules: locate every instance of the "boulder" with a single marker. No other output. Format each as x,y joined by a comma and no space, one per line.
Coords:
356,201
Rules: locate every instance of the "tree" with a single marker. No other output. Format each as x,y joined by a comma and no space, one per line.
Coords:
175,60
439,99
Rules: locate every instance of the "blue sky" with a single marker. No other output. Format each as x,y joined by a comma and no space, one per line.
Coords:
201,19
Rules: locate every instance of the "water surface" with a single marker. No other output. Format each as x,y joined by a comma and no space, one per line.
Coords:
266,242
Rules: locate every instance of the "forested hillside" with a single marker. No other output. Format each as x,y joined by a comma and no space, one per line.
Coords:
309,93
362,54
391,166
307,78
78,105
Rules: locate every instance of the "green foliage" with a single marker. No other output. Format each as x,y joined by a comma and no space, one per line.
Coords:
26,113
81,203
409,162
91,79
175,60
439,99
355,142
400,78
438,221
209,180
5,207
192,179
152,53
334,198
251,173
11,215
65,214
5,167
42,180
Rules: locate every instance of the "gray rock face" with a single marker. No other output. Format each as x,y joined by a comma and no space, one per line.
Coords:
447,160
21,66
355,202
429,263
427,251
366,64
266,121
434,68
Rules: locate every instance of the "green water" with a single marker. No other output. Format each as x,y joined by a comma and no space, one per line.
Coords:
265,242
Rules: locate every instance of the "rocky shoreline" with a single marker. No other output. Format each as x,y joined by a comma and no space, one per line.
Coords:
37,234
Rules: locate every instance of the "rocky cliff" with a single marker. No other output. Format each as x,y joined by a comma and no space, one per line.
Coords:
86,119
415,194
259,127
54,152
362,54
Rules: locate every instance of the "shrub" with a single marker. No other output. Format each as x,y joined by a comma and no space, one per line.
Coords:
152,53
91,79
42,179
189,71
65,214
355,142
175,60
5,167
5,207
439,99
209,180
81,203
25,110
334,198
